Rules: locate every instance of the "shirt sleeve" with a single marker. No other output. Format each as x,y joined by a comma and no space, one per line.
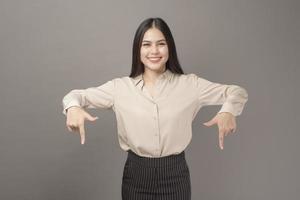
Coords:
232,97
93,97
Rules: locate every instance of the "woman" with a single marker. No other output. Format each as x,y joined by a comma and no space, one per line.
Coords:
154,108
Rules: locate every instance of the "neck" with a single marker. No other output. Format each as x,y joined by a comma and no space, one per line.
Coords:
151,76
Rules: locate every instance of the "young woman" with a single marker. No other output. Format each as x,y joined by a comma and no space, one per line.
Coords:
154,108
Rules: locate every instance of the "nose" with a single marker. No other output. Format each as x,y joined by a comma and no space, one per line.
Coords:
154,49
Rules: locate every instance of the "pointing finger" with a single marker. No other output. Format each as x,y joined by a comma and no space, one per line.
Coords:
82,133
221,140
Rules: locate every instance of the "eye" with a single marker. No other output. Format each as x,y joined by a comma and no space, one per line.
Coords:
162,44
146,44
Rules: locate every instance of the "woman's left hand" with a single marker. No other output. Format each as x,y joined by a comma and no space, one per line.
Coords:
226,123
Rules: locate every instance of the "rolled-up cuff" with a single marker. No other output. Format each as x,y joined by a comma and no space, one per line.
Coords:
228,107
71,104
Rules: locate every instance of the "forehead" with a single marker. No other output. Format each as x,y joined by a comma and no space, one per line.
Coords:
153,34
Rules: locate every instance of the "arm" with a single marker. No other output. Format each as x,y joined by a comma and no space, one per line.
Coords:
232,97
93,97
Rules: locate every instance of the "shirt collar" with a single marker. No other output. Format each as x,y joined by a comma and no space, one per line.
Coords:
165,75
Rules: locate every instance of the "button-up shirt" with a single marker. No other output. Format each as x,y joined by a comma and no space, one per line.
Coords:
158,125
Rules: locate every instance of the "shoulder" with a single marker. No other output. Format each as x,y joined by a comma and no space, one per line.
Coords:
123,80
120,79
190,77
194,79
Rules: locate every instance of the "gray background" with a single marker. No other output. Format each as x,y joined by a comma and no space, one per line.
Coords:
50,47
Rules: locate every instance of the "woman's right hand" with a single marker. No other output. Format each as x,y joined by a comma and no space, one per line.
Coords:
75,120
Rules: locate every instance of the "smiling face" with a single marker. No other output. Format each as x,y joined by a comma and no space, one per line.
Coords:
154,50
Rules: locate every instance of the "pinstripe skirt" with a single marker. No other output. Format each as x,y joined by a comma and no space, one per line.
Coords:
164,178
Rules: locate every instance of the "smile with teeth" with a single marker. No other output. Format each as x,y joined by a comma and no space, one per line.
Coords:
154,59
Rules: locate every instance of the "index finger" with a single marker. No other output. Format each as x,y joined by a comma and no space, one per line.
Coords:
82,133
221,135
221,140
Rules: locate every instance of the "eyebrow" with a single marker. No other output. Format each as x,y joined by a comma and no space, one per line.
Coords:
156,41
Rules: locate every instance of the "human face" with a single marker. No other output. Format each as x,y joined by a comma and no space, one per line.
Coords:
154,50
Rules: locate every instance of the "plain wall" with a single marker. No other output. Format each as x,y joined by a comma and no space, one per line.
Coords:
51,47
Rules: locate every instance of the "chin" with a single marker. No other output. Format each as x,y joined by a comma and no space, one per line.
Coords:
155,67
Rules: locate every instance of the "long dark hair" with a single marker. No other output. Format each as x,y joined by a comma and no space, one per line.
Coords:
172,64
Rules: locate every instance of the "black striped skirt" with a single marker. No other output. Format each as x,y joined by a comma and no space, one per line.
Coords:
164,178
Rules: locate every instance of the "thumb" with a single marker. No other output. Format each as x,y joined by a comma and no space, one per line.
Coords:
91,118
210,123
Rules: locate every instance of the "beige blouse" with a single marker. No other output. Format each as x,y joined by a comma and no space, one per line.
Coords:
160,125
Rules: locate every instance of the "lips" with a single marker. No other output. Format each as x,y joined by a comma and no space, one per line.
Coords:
154,59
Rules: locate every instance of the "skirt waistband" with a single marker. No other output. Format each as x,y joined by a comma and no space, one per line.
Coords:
166,161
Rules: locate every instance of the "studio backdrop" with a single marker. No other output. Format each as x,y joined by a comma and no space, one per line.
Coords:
51,47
